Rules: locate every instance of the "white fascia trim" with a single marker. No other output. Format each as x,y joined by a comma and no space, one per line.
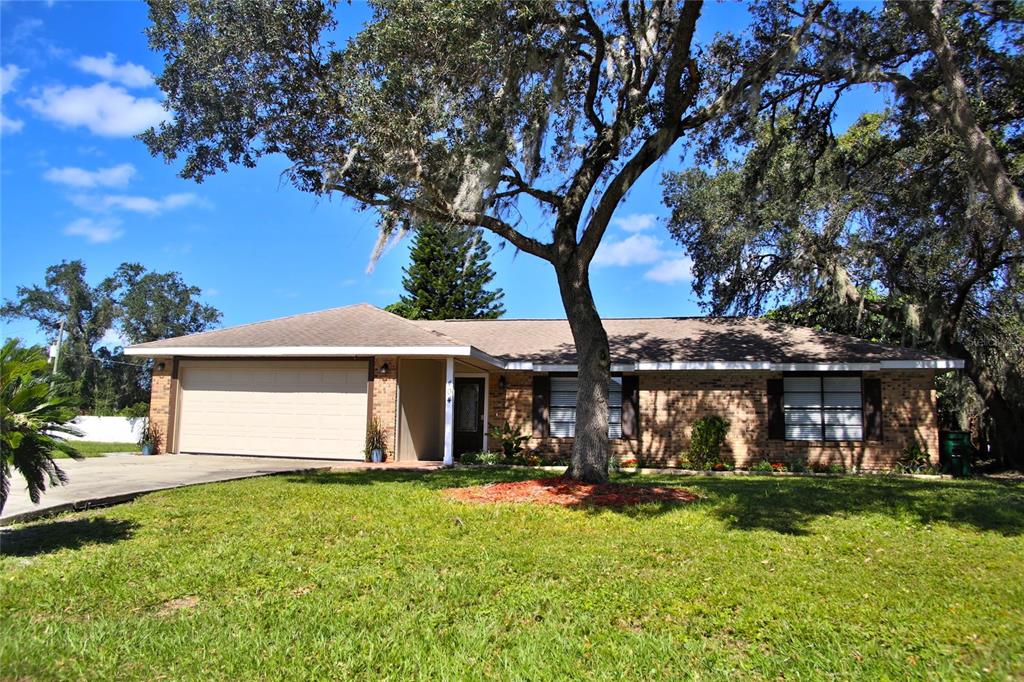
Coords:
489,359
661,366
825,367
922,364
615,367
301,351
769,366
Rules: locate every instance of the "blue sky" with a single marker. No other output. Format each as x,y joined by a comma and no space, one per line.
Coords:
74,184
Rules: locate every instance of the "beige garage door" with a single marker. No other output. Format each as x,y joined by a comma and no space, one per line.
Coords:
286,408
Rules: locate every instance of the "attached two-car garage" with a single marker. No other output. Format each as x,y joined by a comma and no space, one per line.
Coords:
295,408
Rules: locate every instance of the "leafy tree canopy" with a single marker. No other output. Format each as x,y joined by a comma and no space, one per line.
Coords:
470,113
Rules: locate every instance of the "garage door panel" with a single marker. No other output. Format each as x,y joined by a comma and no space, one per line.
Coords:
315,409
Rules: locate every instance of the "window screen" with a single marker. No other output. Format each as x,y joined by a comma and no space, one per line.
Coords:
823,408
562,410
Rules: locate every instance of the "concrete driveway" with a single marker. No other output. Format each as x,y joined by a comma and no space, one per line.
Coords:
97,481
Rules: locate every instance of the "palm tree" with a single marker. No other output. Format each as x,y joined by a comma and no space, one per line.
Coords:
35,411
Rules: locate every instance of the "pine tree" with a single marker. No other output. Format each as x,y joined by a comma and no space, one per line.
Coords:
447,277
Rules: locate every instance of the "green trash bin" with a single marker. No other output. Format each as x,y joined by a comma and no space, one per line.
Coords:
956,452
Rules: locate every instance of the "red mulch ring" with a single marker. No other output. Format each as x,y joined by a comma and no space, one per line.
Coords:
569,493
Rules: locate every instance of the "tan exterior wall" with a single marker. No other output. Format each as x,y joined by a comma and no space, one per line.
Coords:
671,401
421,413
163,402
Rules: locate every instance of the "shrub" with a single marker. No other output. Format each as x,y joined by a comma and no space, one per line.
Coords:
763,465
509,439
482,458
914,460
706,439
828,468
797,464
136,411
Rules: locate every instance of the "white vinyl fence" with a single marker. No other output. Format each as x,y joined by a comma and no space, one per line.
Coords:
108,429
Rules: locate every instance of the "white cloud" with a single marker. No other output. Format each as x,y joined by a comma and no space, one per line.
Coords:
671,271
107,68
103,108
638,249
95,231
112,176
635,222
134,203
9,74
113,338
10,125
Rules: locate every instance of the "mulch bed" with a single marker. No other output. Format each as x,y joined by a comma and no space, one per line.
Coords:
569,493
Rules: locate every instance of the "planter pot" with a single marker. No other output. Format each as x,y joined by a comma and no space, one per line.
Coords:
376,456
147,449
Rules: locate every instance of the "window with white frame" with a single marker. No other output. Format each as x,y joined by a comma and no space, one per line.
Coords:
823,407
562,407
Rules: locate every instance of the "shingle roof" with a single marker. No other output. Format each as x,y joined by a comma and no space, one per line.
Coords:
664,339
351,326
676,339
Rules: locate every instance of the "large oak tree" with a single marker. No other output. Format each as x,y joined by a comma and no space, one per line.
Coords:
466,112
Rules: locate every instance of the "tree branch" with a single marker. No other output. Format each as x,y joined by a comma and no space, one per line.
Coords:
1007,196
450,214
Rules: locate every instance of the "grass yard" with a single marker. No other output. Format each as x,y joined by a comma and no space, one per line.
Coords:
378,575
97,449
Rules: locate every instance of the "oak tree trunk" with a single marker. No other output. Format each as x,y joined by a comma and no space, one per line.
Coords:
589,460
1007,434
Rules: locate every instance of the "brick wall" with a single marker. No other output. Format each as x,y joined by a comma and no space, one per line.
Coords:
385,399
162,399
671,401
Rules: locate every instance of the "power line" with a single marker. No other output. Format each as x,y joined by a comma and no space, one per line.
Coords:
96,359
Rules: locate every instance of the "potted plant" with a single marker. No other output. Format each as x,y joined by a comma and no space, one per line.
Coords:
149,440
376,442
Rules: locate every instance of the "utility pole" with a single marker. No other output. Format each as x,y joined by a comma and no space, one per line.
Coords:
55,354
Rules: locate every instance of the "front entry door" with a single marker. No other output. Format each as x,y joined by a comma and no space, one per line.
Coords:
469,416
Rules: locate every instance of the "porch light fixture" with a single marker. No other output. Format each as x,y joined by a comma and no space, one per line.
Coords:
502,383
384,369
160,366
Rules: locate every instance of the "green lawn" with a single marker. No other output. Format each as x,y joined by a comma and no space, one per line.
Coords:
377,575
96,448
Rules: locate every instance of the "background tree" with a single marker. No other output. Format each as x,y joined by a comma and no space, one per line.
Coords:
136,304
155,305
468,114
87,314
447,277
884,232
34,411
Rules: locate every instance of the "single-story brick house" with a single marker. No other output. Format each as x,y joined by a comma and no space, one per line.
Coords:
306,385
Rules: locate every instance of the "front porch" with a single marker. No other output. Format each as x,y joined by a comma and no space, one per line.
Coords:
442,407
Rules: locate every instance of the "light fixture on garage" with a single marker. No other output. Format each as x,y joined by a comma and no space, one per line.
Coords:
384,369
501,382
160,366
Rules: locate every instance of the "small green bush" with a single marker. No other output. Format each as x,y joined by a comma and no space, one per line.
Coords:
488,458
914,460
706,439
509,439
764,465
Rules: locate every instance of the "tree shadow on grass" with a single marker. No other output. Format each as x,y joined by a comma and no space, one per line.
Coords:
51,536
790,505
785,505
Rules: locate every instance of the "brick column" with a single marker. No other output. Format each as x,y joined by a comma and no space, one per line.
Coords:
163,401
385,399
